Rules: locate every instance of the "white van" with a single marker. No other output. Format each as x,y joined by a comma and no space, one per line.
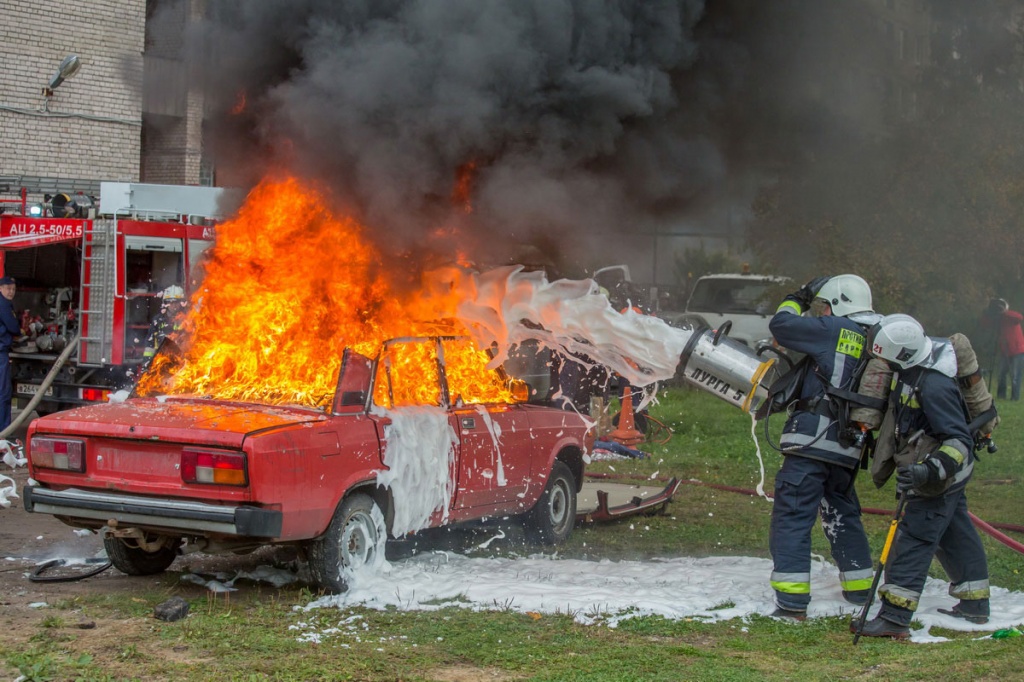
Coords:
747,301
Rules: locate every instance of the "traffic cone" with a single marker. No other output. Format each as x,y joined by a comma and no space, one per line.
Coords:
626,434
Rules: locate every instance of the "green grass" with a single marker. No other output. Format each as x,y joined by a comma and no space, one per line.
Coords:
257,637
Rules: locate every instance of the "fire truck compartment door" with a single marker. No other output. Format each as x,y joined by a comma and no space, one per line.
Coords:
139,243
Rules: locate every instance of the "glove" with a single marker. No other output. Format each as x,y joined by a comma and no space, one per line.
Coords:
805,294
904,481
912,480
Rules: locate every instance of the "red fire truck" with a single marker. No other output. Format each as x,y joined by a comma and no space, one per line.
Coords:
96,280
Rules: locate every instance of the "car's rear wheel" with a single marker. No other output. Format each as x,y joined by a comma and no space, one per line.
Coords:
354,541
551,520
134,560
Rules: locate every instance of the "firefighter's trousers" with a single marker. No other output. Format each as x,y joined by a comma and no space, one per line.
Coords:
935,527
803,487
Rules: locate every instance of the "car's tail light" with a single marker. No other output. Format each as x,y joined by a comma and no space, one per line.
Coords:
217,468
57,453
95,394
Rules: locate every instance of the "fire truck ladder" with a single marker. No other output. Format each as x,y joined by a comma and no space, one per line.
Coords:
99,271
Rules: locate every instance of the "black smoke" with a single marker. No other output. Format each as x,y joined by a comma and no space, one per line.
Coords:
826,136
568,110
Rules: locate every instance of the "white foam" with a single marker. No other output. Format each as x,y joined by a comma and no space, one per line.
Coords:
608,592
506,306
419,454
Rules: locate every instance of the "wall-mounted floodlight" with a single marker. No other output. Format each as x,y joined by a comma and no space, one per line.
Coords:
69,66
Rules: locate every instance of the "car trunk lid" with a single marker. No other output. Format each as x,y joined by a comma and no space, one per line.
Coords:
181,420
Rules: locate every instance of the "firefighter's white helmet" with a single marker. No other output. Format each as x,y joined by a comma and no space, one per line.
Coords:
900,339
847,294
173,293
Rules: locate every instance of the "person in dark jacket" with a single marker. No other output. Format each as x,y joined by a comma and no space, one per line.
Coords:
10,329
818,465
927,426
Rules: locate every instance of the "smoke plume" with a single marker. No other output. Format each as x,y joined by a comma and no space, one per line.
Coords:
568,132
556,117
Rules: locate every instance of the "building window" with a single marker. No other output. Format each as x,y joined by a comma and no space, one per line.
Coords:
903,43
207,168
207,177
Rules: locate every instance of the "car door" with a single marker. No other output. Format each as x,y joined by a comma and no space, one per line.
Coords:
496,459
417,430
496,449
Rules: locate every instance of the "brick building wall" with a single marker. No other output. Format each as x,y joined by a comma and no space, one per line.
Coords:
93,126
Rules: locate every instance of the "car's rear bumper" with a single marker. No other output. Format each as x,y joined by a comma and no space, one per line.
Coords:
132,510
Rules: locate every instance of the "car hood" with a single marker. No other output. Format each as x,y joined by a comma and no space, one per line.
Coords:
182,420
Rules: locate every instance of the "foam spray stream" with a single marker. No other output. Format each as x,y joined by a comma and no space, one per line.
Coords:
506,306
760,460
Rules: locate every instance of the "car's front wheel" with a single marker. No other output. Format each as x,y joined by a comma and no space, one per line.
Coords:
552,519
132,559
354,541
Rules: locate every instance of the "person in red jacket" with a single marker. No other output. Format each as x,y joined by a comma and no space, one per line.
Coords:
1010,363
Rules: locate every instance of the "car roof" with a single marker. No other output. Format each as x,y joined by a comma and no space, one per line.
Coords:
740,275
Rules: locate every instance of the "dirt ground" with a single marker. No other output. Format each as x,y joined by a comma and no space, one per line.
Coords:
28,540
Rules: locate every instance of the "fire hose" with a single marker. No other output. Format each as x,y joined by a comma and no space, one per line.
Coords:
92,567
38,397
987,528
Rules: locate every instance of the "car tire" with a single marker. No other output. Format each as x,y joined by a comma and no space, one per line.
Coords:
552,519
353,541
137,561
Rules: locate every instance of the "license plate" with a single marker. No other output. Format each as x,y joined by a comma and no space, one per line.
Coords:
32,389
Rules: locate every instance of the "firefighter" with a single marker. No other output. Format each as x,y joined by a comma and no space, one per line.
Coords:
818,465
927,427
167,321
10,329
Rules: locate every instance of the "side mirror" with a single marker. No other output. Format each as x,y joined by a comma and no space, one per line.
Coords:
520,390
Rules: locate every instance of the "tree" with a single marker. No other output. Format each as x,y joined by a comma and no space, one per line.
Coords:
930,213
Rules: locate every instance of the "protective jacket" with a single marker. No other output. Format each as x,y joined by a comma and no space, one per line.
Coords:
929,418
878,381
835,345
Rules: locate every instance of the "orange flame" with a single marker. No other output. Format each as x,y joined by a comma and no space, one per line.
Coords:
288,286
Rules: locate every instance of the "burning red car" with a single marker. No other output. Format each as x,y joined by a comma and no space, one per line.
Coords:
421,435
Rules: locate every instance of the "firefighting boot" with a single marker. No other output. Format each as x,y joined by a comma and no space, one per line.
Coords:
972,610
787,614
880,627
